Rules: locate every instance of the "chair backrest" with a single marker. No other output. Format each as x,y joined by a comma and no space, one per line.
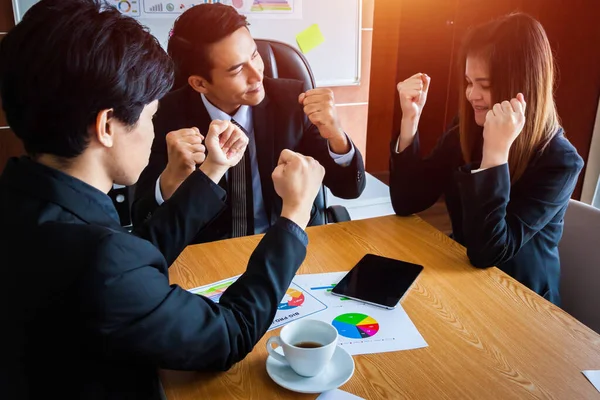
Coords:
580,264
286,62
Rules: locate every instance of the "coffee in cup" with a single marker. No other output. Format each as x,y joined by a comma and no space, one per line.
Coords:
307,345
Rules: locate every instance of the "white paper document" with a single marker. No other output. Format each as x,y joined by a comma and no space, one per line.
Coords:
593,377
362,328
338,394
296,303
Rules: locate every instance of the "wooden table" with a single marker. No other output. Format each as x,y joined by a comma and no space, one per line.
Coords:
489,337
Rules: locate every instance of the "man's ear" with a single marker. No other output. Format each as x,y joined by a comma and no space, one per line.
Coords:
104,129
198,83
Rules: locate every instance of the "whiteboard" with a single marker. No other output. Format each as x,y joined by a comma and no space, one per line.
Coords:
336,62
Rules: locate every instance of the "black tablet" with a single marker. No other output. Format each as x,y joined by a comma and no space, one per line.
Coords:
377,280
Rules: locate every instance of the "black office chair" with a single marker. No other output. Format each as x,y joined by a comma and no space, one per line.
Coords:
281,61
285,61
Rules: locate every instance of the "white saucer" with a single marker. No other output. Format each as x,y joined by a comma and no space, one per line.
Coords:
336,373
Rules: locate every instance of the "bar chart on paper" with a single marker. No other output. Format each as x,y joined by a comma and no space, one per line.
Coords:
321,285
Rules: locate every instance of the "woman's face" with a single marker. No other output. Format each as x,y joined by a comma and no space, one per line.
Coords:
478,87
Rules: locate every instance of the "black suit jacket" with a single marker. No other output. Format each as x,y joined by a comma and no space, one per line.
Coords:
279,123
514,227
86,306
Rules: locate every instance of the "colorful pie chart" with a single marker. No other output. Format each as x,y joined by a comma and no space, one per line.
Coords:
292,299
124,6
355,325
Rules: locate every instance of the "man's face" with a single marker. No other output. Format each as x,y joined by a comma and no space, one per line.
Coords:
237,74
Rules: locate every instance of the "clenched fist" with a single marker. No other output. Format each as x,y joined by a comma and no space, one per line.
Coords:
503,124
297,180
185,151
319,107
226,144
413,94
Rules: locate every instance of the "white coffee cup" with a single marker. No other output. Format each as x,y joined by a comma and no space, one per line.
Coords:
299,341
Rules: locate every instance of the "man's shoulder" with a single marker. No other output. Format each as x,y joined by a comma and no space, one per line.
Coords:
174,97
71,233
100,247
177,110
61,240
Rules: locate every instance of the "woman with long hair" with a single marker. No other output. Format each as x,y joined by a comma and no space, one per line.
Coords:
506,169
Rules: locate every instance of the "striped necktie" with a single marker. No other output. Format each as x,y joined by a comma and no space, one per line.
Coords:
240,189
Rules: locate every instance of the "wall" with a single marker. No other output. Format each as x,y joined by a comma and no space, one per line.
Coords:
352,101
382,93
9,144
590,192
429,33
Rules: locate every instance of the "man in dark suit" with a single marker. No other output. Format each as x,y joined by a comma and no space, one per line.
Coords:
213,49
87,308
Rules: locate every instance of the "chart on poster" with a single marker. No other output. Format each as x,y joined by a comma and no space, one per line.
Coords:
128,7
333,27
254,9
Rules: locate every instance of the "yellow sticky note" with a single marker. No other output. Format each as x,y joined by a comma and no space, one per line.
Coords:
310,38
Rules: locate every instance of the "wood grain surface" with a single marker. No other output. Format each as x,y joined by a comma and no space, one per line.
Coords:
489,336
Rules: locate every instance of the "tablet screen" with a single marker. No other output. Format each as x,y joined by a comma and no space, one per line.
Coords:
379,280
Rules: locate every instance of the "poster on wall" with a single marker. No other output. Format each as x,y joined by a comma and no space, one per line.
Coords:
253,9
128,7
264,9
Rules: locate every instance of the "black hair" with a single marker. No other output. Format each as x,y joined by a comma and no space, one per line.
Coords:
193,33
69,59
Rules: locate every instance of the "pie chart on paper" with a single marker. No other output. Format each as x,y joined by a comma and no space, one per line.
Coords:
355,325
292,299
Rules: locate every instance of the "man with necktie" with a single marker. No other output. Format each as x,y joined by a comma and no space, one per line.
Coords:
214,52
87,306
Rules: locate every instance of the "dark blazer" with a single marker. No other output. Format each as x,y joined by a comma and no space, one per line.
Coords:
514,227
279,123
86,306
